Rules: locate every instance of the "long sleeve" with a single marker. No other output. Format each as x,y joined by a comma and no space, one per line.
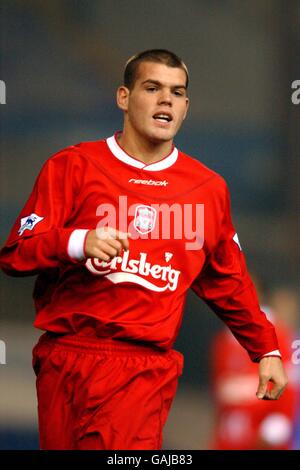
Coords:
226,287
40,236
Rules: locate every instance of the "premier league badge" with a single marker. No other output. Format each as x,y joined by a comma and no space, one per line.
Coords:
144,219
28,223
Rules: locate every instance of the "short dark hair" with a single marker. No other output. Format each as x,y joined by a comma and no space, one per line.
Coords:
161,56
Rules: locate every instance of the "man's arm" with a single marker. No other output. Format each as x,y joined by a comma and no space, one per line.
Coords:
226,287
42,236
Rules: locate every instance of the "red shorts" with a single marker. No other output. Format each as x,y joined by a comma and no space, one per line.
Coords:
102,393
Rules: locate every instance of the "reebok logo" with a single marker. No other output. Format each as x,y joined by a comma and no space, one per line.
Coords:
148,182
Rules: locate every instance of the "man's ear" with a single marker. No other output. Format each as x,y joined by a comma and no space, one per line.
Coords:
122,97
187,107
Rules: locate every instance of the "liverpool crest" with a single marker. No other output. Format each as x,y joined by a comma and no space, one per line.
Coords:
144,219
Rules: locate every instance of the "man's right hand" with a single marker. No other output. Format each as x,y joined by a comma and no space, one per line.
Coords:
105,243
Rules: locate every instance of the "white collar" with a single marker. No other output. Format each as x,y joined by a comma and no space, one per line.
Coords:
120,154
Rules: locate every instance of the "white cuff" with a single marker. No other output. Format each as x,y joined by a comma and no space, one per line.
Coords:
76,244
276,352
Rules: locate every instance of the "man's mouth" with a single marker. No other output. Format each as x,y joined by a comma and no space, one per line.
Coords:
163,117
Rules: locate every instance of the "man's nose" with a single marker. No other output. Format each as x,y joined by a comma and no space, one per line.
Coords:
165,97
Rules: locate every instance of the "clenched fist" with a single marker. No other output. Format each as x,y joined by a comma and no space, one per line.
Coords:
105,243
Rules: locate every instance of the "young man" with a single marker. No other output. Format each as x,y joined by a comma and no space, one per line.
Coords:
108,229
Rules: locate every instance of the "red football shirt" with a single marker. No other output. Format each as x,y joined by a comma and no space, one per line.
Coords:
178,212
241,421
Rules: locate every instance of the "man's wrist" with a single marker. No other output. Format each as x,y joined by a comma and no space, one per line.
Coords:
275,353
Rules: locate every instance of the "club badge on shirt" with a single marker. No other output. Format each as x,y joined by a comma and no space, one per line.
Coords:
29,222
144,219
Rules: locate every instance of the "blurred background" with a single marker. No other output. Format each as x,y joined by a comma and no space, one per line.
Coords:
61,61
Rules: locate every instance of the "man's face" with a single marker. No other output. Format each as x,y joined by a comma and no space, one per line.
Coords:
157,104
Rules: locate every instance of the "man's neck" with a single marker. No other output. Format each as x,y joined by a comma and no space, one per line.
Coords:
143,150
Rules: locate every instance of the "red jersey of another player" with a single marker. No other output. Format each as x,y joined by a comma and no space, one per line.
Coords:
178,213
241,421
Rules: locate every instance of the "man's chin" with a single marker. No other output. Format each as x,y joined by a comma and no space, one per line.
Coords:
161,137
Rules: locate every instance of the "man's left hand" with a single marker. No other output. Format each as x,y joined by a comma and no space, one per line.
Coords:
271,370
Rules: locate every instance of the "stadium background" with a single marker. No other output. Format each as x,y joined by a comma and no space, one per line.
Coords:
62,60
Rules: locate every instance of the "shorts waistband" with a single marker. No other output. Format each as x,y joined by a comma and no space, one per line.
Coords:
92,344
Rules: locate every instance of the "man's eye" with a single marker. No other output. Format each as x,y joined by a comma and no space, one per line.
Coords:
152,88
178,93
